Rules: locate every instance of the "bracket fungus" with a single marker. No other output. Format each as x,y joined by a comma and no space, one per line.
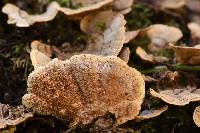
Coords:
148,114
196,116
85,87
187,55
40,54
11,116
178,97
107,41
22,19
171,4
194,32
161,35
149,57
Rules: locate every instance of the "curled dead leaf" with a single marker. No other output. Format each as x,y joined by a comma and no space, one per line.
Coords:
196,116
178,97
187,55
148,114
11,116
149,57
85,87
22,19
161,35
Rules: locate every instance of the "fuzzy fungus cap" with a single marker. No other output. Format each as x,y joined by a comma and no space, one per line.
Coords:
85,87
161,35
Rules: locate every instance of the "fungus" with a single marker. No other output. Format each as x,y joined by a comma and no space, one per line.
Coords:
11,116
130,35
106,41
194,32
196,116
22,19
187,55
161,35
81,89
149,57
148,114
171,4
124,54
124,6
178,97
40,54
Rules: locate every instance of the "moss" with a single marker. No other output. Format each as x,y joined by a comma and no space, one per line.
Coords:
100,25
64,3
139,17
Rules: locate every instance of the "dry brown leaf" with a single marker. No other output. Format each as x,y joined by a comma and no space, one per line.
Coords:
22,19
11,116
148,114
178,97
85,87
161,35
124,54
40,54
194,32
171,4
149,57
196,116
187,55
